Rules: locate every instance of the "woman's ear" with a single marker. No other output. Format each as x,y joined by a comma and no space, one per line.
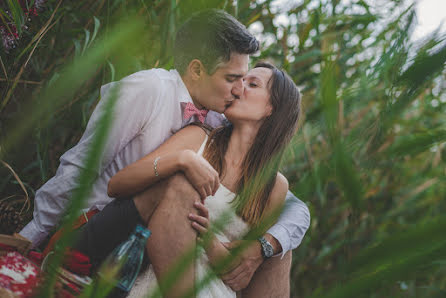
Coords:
195,69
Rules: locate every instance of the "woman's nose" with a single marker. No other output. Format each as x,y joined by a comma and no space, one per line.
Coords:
238,88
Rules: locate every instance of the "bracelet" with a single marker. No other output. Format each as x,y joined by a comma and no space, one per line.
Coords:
155,165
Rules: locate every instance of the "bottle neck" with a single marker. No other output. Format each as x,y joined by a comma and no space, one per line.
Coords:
138,237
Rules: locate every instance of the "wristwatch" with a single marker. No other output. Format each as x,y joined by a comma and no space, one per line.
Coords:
267,248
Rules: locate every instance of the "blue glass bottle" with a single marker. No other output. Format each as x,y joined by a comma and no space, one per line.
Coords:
128,256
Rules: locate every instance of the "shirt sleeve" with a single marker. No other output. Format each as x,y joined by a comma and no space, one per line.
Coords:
138,100
50,202
292,224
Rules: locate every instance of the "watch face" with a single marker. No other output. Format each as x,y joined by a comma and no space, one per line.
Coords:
267,248
269,251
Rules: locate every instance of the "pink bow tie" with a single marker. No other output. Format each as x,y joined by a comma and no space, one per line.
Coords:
191,110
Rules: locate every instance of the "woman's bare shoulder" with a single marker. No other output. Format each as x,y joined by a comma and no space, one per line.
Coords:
189,137
193,130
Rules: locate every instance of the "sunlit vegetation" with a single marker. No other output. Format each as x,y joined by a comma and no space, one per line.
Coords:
369,159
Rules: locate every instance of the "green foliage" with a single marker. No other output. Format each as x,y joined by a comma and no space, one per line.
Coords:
369,159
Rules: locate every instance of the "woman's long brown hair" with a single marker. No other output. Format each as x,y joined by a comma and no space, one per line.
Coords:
261,164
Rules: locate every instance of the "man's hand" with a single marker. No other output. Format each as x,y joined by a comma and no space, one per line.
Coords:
248,262
203,177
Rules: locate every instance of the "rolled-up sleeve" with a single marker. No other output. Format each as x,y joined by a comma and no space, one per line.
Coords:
292,224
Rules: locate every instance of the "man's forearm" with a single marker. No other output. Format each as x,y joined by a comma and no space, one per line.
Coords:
277,247
49,205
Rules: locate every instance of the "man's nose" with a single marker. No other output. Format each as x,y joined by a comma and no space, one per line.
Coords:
237,89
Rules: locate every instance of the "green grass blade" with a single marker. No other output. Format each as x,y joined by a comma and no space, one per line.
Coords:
87,176
395,258
74,75
97,25
417,143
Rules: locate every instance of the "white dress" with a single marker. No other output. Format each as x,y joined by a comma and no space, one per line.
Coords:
220,210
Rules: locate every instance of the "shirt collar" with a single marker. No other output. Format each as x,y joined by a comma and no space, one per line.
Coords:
183,96
183,93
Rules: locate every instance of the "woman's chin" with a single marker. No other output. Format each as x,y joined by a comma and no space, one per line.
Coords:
227,112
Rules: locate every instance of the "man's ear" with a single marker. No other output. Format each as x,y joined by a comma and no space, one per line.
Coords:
196,69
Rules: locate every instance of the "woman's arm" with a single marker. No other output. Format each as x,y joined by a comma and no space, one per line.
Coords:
178,153
249,259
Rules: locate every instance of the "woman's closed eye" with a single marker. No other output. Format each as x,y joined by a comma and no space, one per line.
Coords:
252,82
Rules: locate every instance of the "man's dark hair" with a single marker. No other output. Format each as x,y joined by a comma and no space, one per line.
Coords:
211,36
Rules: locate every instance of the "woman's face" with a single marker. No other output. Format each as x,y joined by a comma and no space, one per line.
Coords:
254,103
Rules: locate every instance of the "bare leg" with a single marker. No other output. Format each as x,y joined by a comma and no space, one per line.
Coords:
147,201
172,234
272,279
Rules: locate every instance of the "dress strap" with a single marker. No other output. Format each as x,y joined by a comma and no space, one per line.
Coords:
200,151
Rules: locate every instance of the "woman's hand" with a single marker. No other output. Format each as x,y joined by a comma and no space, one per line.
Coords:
203,177
214,248
200,223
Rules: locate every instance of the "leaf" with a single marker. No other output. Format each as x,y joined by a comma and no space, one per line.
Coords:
77,48
112,70
97,24
87,39
423,68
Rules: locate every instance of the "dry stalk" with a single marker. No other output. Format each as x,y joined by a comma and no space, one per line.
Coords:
437,157
4,68
27,203
40,35
21,81
419,189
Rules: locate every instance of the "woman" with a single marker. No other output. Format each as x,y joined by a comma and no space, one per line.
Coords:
245,154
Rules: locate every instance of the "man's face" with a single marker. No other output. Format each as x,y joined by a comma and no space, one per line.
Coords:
218,90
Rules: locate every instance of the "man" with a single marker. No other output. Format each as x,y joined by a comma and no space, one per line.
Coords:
211,56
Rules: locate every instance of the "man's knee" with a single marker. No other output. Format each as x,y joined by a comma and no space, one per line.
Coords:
272,278
279,265
179,188
174,191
